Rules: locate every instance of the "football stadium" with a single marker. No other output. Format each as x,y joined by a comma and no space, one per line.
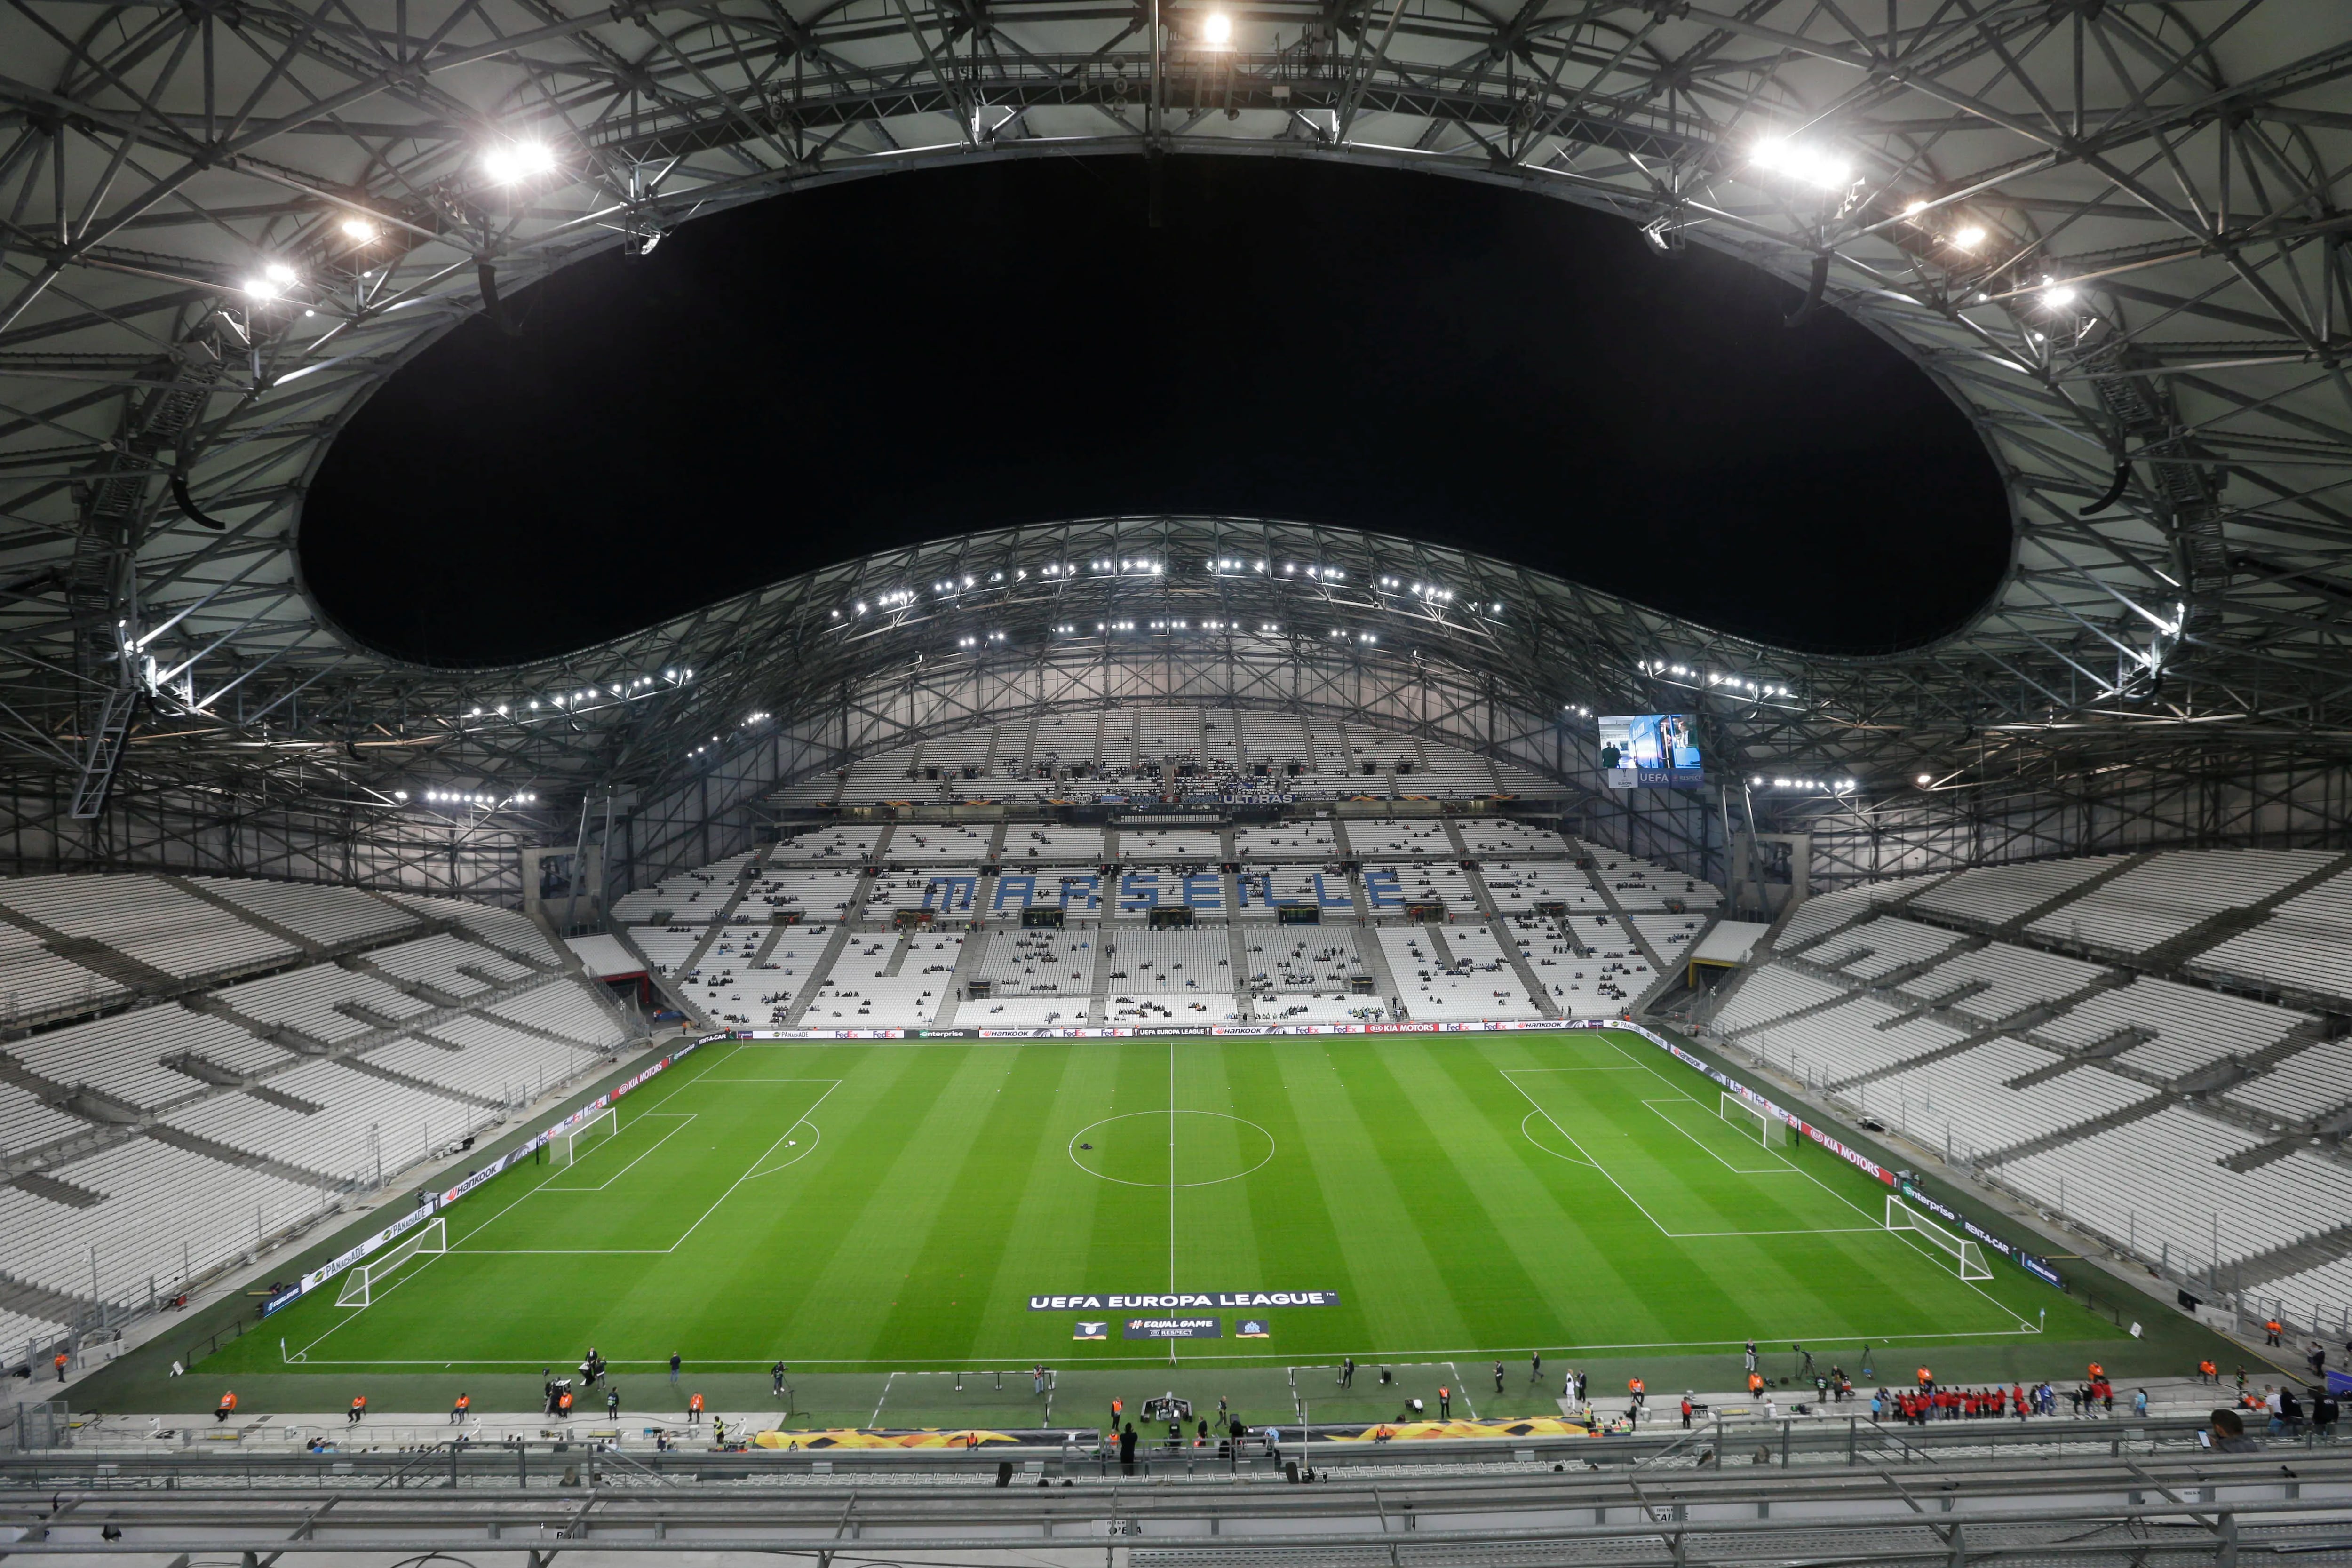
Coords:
952,783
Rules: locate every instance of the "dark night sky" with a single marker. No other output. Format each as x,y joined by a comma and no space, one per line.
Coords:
918,355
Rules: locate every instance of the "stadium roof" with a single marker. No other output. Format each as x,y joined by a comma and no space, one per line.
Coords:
2108,228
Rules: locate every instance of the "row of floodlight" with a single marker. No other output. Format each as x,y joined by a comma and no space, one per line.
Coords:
574,701
1812,164
1714,680
954,587
468,797
1829,787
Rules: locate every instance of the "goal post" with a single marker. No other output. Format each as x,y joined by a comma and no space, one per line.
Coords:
1752,1121
361,1280
575,1143
1967,1257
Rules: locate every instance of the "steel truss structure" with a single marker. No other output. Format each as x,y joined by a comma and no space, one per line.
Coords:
2106,227
1876,1502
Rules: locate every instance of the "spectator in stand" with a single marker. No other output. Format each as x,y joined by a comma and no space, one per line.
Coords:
2324,1412
2271,1330
2227,1434
2209,1372
2017,1398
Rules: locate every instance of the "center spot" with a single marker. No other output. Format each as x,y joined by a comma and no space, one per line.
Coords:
1207,1147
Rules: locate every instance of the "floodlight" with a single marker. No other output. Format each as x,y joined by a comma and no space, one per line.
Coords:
2058,296
1968,238
1809,165
514,161
261,288
1925,781
357,229
278,272
1217,28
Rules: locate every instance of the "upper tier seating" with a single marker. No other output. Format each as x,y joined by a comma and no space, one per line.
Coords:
37,983
2172,892
1883,945
2306,945
1995,895
327,915
1500,835
1378,839
147,919
697,895
1137,752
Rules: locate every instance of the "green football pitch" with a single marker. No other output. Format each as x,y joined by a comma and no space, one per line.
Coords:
871,1208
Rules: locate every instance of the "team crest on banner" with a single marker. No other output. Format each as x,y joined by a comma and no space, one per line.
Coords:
1092,1331
1253,1329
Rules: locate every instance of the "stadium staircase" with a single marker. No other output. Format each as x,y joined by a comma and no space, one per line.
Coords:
1641,942
2015,926
814,981
2019,1024
1237,950
969,957
2137,1110
2311,1252
2169,954
286,933
744,880
26,1298
1376,960
1810,1010
229,1154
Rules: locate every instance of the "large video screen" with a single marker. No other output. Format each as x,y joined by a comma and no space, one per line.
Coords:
1653,751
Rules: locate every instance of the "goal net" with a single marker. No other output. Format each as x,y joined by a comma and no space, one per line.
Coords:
574,1144
360,1279
1965,1255
1752,1121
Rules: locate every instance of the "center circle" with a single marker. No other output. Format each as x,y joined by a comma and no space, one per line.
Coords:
1172,1149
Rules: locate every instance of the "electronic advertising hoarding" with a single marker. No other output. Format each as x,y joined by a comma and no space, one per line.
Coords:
1653,751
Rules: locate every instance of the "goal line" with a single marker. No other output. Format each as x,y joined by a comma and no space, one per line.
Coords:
1966,1256
1752,1121
432,1238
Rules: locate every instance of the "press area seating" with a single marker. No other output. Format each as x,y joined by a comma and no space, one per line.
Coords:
244,1053
1132,753
2142,1045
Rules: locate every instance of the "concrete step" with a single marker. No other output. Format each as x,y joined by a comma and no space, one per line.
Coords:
211,1149
43,1186
197,890
2139,1111
31,1300
2051,905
